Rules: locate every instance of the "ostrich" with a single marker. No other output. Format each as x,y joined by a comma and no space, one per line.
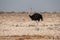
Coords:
36,17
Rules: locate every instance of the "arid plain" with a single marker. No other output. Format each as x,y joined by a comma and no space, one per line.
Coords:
19,26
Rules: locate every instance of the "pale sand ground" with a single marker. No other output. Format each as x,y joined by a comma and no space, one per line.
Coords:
21,24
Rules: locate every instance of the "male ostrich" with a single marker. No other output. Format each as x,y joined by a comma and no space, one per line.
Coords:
36,17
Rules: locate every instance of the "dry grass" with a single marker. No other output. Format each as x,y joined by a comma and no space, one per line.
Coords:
30,37
20,27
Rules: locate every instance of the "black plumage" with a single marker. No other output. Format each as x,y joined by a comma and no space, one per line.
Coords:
36,17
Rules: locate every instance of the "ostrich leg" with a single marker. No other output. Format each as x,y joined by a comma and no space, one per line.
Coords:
37,28
37,23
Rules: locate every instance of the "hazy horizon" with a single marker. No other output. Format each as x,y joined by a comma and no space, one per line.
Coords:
24,5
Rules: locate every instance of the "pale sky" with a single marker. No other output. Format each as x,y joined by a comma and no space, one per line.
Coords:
36,5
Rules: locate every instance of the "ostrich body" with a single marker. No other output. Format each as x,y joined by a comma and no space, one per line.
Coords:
36,17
